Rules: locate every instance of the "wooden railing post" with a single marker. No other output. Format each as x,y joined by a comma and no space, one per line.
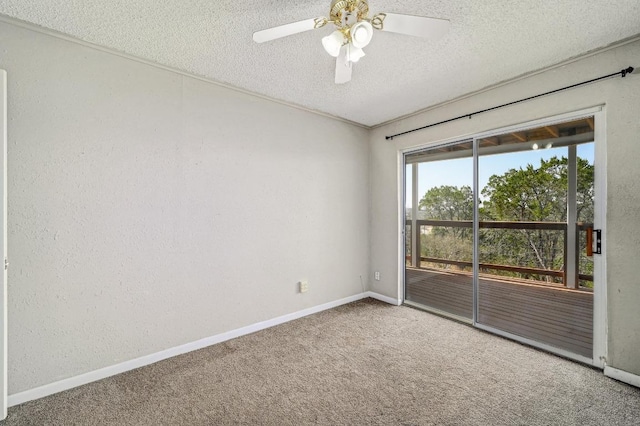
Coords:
577,250
565,272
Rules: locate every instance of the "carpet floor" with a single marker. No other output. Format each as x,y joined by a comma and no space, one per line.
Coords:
366,363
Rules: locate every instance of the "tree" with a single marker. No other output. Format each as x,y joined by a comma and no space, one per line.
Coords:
532,194
535,195
538,194
448,203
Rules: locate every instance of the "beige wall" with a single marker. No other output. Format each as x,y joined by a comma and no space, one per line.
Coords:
148,209
622,100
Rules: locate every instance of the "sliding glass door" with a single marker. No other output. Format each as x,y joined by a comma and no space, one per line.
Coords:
523,265
537,200
439,236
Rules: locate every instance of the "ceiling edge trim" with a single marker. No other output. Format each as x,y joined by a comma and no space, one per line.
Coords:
512,80
53,33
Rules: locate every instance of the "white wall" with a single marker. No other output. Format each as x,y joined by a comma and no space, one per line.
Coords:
148,209
622,100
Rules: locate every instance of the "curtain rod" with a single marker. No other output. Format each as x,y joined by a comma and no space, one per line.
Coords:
623,73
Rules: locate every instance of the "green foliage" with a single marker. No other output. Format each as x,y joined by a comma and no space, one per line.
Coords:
448,203
538,194
532,194
447,246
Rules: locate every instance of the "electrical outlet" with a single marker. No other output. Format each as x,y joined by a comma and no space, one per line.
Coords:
304,286
377,275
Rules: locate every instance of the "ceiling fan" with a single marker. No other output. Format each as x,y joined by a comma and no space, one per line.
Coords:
354,31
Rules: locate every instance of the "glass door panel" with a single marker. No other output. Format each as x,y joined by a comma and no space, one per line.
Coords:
439,229
585,213
536,200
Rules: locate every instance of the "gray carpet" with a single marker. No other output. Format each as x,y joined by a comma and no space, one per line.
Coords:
363,363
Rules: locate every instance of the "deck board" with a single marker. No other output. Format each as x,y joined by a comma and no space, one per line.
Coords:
445,292
551,315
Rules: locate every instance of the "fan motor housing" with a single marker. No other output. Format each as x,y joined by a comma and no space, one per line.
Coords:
361,7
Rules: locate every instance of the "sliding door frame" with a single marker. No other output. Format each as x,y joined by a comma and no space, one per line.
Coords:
403,213
3,243
600,288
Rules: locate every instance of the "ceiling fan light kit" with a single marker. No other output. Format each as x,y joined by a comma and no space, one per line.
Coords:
354,31
333,42
353,53
361,34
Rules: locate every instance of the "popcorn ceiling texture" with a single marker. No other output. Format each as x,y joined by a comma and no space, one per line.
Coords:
489,42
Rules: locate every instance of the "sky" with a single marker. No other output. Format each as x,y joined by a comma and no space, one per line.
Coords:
459,172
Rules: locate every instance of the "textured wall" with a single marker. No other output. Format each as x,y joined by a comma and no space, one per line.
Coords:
621,97
148,209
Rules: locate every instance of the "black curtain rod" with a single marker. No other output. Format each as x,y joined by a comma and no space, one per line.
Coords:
623,73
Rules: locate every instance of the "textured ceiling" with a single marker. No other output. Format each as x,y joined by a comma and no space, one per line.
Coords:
490,41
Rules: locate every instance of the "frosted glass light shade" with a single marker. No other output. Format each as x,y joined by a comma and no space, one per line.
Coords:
333,42
354,54
361,34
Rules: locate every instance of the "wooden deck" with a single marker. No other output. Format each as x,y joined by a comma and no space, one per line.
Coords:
556,316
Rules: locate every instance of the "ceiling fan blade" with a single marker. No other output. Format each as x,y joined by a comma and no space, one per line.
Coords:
288,29
343,67
417,26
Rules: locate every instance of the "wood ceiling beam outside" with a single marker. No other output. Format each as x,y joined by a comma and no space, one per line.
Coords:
521,136
590,122
553,131
492,141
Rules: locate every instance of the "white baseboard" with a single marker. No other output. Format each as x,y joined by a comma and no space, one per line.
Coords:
622,375
92,376
72,382
383,298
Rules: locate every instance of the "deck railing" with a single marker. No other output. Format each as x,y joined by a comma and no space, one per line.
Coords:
547,226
